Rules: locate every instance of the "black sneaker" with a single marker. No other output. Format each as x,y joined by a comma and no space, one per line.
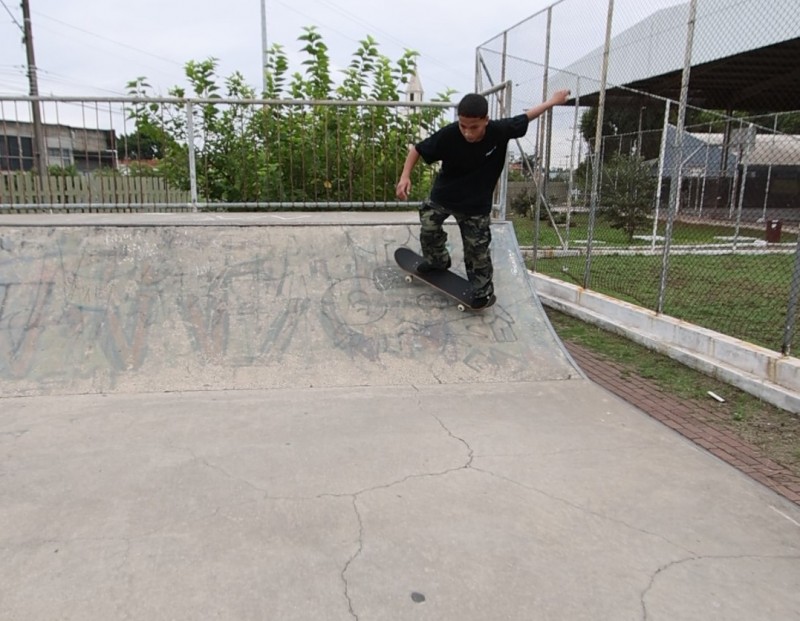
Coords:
484,302
426,267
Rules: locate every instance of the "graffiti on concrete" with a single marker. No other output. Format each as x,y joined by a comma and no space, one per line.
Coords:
98,304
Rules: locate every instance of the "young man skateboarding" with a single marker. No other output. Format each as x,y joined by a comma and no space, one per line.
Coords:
473,153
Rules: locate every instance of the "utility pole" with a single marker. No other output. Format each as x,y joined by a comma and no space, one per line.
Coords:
39,154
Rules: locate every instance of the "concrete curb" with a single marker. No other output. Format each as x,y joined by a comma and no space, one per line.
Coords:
763,373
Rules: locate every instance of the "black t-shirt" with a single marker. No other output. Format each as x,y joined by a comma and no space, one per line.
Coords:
469,170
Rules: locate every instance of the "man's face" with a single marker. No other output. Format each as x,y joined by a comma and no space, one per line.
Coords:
473,129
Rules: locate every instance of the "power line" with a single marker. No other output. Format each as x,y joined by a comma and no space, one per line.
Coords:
11,15
355,18
60,78
62,28
59,31
52,77
119,43
351,16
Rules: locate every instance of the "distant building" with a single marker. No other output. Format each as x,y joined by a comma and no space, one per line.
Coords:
85,149
770,162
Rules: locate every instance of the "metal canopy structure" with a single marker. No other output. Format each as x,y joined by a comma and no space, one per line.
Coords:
766,79
734,65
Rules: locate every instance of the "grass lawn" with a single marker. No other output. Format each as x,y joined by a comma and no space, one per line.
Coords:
744,296
683,233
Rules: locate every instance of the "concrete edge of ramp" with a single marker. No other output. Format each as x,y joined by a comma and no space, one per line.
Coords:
288,218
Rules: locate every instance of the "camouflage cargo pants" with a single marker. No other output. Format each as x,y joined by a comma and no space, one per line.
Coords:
476,236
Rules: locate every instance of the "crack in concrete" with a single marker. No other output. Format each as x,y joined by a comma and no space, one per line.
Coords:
450,433
584,510
352,559
580,508
671,565
355,497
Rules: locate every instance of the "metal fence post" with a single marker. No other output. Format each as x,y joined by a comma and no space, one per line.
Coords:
661,161
192,163
503,183
769,171
674,186
598,139
547,118
705,175
744,159
572,164
794,301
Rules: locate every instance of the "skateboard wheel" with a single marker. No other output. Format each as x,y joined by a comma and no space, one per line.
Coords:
462,308
409,278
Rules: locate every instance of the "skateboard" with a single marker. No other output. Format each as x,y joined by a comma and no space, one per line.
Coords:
445,281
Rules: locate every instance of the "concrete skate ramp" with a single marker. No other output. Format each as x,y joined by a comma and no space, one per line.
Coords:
130,303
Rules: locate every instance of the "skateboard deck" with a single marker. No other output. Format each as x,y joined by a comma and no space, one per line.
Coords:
445,281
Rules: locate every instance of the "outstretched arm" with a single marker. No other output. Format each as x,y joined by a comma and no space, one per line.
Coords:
404,185
558,98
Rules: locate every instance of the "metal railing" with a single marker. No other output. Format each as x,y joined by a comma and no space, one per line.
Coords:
105,153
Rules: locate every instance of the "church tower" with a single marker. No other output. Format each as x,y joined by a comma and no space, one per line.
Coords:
414,90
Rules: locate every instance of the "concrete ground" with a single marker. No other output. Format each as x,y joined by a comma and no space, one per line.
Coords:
255,417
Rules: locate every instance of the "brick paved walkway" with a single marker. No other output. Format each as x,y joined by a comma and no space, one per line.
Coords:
692,419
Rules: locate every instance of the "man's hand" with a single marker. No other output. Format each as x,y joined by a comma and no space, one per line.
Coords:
559,98
404,185
403,188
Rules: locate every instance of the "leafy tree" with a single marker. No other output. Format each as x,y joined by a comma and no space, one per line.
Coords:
292,152
145,143
628,187
715,121
150,141
523,203
621,129
63,171
788,122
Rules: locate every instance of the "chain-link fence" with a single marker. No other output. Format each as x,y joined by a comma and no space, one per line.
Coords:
673,182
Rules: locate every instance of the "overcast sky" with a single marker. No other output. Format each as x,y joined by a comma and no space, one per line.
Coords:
93,47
